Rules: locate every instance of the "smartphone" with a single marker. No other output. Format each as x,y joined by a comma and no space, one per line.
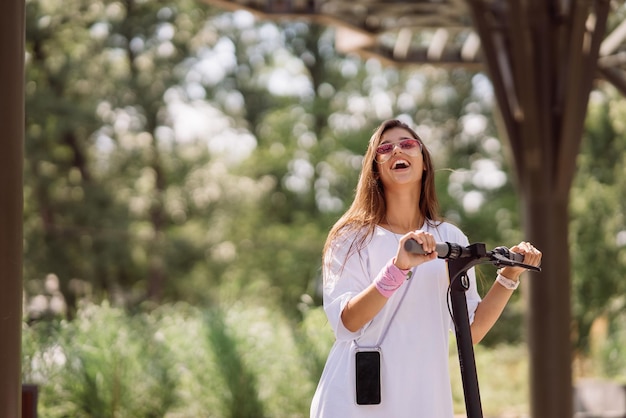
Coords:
367,377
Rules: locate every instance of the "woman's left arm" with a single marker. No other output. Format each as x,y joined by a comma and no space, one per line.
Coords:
492,305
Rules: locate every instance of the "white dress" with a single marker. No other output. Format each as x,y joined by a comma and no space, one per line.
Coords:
415,378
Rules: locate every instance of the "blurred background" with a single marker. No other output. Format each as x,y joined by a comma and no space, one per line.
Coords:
183,167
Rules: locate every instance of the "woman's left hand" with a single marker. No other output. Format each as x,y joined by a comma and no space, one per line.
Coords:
532,256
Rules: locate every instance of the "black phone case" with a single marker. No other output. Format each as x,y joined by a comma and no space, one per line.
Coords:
367,377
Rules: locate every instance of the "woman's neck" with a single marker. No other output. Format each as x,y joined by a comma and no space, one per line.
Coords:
403,213
402,208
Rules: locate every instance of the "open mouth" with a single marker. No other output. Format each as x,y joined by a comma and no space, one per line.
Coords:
400,164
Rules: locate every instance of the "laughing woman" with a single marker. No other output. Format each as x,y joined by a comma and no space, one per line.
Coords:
390,357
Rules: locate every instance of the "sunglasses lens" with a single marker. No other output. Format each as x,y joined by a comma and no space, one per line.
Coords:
408,144
384,149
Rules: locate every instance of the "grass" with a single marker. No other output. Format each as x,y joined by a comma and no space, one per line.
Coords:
502,378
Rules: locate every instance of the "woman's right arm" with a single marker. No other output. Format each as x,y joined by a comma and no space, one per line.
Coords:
362,308
365,305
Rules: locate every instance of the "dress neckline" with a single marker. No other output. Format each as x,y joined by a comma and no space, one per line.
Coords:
424,227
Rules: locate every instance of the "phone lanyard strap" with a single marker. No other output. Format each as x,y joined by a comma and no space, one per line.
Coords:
395,311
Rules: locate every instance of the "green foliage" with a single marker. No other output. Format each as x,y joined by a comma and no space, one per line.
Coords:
598,225
241,384
314,339
612,353
95,187
176,361
102,364
242,360
179,361
502,376
140,208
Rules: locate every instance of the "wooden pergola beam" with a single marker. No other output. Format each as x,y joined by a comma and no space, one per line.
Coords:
615,77
590,28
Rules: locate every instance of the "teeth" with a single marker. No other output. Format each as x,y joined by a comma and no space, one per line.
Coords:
397,163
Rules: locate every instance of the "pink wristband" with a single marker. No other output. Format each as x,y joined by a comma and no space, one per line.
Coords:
390,279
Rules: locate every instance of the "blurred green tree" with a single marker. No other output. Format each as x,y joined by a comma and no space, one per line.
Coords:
215,151
598,227
96,179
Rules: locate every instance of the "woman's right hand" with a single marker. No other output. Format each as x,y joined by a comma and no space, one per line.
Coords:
405,260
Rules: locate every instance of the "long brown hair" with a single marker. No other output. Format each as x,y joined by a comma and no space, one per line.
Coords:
369,207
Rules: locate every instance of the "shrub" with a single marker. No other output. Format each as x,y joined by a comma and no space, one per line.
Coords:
175,361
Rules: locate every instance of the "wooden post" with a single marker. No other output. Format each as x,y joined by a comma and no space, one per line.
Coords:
30,393
12,23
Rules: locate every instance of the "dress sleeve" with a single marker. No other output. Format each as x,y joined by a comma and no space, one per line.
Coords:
344,278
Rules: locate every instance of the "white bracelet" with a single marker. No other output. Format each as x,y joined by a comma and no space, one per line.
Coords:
507,283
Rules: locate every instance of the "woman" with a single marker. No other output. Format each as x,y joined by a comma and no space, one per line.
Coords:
402,325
